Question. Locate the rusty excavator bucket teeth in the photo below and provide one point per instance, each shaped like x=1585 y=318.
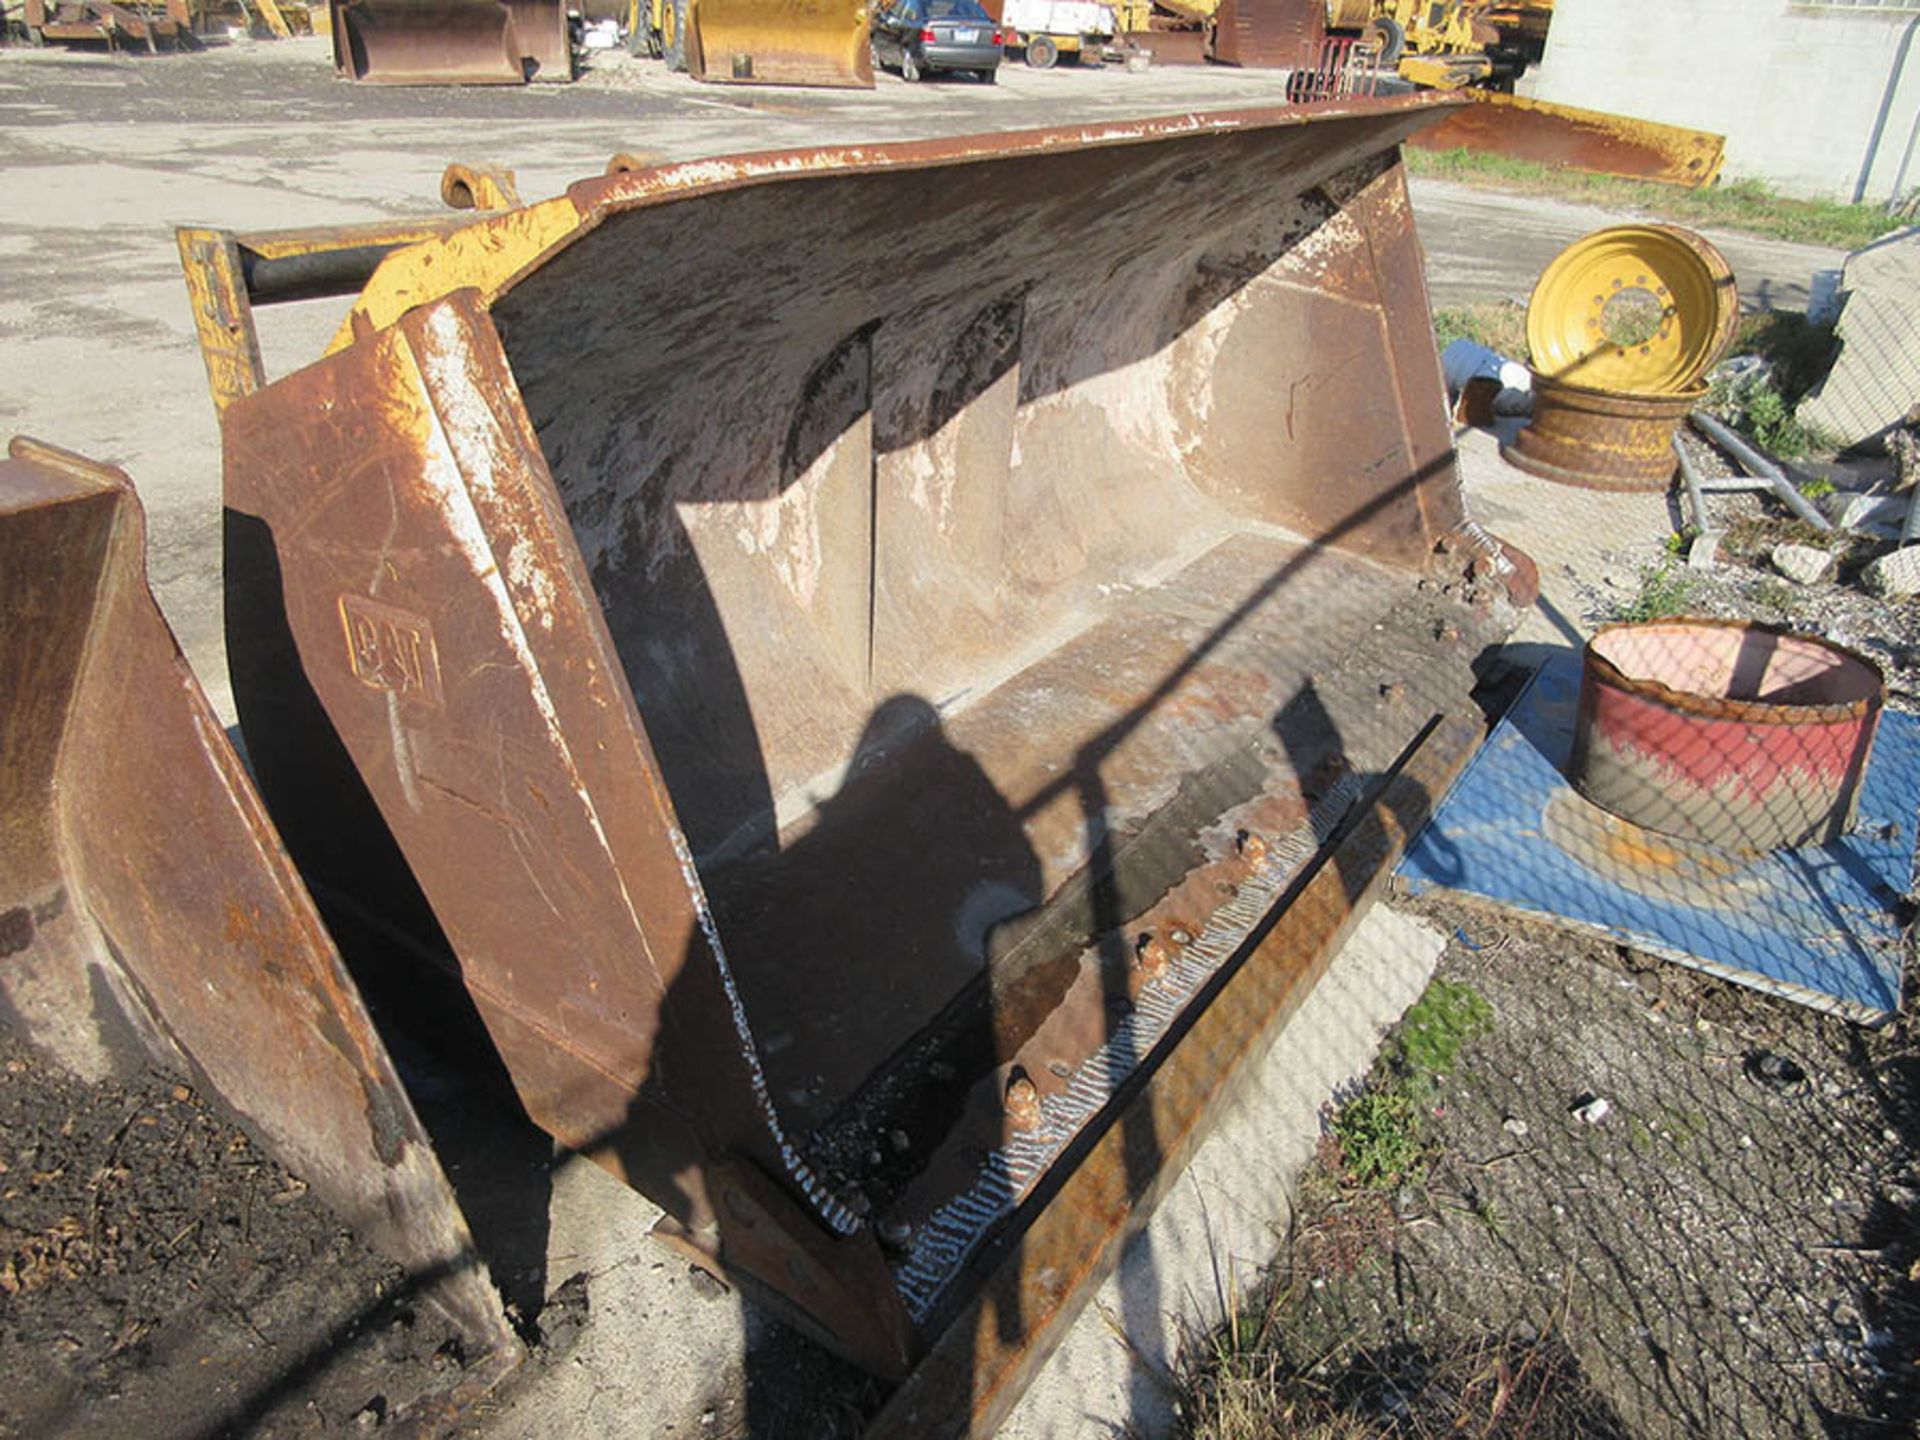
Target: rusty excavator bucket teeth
x=147 y=910
x=451 y=42
x=863 y=657
x=781 y=42
x=1568 y=137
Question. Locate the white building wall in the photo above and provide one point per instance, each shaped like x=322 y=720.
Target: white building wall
x=1796 y=88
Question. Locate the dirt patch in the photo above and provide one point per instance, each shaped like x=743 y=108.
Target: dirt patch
x=1727 y=1246
x=159 y=1275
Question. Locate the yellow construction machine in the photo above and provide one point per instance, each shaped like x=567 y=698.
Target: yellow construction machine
x=1439 y=44
x=1481 y=47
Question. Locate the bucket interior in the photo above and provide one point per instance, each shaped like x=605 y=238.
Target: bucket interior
x=974 y=541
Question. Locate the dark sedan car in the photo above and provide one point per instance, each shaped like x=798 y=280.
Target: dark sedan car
x=921 y=36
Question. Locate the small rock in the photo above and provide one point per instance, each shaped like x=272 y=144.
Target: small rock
x=1882 y=513
x=1894 y=576
x=1593 y=1110
x=1803 y=564
x=897 y=1233
x=1515 y=1127
x=371 y=1415
x=899 y=1141
x=1777 y=1072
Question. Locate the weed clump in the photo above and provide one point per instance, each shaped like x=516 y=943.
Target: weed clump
x=1382 y=1131
x=1666 y=590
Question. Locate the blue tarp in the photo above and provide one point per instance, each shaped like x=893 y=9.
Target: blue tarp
x=1821 y=925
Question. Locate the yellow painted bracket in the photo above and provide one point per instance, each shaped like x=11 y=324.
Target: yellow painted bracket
x=228 y=273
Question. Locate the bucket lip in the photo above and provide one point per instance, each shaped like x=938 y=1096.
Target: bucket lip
x=494 y=253
x=633 y=188
x=1709 y=707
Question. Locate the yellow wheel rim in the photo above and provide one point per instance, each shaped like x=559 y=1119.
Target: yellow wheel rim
x=1640 y=308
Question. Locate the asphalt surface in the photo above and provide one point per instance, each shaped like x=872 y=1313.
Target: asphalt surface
x=104 y=155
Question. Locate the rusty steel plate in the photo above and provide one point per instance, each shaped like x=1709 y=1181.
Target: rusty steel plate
x=1268 y=34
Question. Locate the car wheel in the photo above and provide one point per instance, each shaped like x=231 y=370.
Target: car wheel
x=1042 y=52
x=992 y=77
x=909 y=67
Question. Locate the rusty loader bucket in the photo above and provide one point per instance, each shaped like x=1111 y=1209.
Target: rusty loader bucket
x=147 y=909
x=450 y=42
x=887 y=671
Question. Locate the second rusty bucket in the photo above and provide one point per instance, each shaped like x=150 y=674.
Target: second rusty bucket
x=1731 y=733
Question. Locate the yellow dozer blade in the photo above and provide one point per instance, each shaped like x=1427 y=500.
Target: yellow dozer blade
x=781 y=42
x=1590 y=140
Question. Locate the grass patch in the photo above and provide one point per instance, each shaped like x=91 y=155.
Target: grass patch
x=1382 y=1131
x=1666 y=589
x=1477 y=1385
x=1799 y=352
x=1753 y=405
x=1313 y=1354
x=1500 y=325
x=1745 y=205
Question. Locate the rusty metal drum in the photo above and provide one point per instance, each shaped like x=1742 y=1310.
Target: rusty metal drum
x=1738 y=735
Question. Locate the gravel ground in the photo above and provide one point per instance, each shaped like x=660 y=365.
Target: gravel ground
x=1734 y=1248
x=1725 y=1253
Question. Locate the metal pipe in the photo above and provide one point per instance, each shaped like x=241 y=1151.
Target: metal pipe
x=313 y=275
x=1760 y=467
x=1894 y=74
x=1690 y=477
